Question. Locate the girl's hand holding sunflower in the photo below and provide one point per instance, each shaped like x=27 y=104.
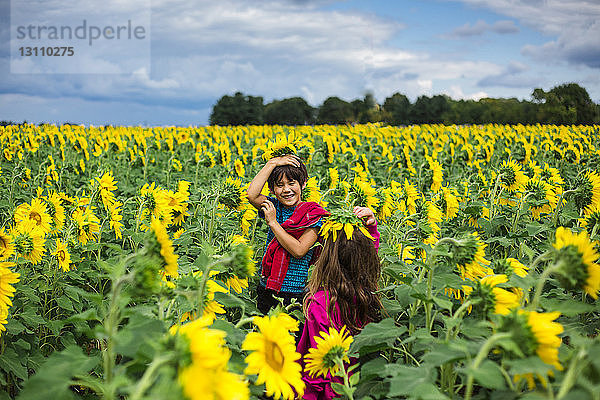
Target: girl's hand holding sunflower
x=365 y=214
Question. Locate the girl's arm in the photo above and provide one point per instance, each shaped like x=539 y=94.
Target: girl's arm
x=254 y=196
x=368 y=216
x=296 y=247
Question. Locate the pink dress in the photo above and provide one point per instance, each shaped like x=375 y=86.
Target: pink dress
x=317 y=322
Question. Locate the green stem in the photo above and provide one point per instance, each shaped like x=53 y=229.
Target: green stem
x=558 y=205
x=571 y=375
x=481 y=355
x=148 y=376
x=540 y=285
x=348 y=389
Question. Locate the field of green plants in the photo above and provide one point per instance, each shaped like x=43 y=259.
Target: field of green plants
x=128 y=261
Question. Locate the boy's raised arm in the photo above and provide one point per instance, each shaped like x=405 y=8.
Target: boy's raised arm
x=254 y=196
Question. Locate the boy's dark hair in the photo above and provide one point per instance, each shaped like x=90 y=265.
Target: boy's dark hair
x=297 y=173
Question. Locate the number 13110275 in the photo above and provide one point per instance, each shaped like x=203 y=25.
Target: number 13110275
x=49 y=51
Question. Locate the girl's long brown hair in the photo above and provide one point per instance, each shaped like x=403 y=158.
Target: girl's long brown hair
x=348 y=270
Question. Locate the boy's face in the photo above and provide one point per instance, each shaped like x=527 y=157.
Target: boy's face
x=288 y=191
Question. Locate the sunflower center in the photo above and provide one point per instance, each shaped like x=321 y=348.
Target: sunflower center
x=61 y=255
x=274 y=355
x=36 y=217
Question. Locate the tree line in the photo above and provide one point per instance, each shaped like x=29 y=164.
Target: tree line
x=565 y=104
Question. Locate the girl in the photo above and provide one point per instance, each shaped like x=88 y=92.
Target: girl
x=341 y=292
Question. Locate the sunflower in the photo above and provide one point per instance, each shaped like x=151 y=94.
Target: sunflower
x=88 y=224
x=334 y=178
x=509 y=266
x=535 y=334
x=405 y=253
x=238 y=166
x=281 y=147
x=62 y=255
x=241 y=258
x=490 y=298
x=56 y=211
x=469 y=255
x=235 y=284
x=7 y=279
x=35 y=212
x=231 y=193
x=115 y=211
x=362 y=194
x=342 y=220
x=512 y=177
x=107 y=185
x=587 y=195
x=477 y=212
x=332 y=349
x=248 y=216
x=155 y=203
x=435 y=174
x=428 y=216
x=311 y=191
x=449 y=203
x=7 y=247
x=386 y=206
x=28 y=239
x=273 y=358
x=410 y=195
x=543 y=197
x=206 y=375
x=592 y=219
x=165 y=248
x=552 y=175
x=576 y=259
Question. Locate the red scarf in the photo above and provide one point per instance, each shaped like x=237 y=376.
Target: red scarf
x=276 y=260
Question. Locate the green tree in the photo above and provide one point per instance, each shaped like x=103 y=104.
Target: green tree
x=335 y=111
x=568 y=103
x=292 y=111
x=238 y=109
x=397 y=109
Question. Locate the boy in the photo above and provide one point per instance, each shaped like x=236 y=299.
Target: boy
x=293 y=230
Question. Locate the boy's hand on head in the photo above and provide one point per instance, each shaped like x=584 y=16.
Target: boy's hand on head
x=365 y=214
x=269 y=210
x=290 y=159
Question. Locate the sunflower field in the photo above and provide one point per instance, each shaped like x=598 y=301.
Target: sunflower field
x=128 y=262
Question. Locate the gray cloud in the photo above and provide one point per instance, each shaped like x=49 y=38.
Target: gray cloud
x=480 y=27
x=575 y=23
x=512 y=76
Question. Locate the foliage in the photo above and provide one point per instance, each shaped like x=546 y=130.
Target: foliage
x=159 y=295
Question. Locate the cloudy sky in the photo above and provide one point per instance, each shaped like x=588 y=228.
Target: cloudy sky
x=195 y=51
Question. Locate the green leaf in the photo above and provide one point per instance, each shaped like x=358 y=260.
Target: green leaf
x=14 y=327
x=567 y=307
x=139 y=335
x=534 y=228
x=11 y=362
x=488 y=375
x=31 y=318
x=377 y=336
x=54 y=378
x=532 y=365
x=406 y=379
x=64 y=303
x=441 y=354
x=443 y=303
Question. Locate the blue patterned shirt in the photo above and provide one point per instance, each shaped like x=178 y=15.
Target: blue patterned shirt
x=297 y=273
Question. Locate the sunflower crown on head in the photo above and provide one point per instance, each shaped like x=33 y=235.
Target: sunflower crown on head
x=343 y=219
x=282 y=146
